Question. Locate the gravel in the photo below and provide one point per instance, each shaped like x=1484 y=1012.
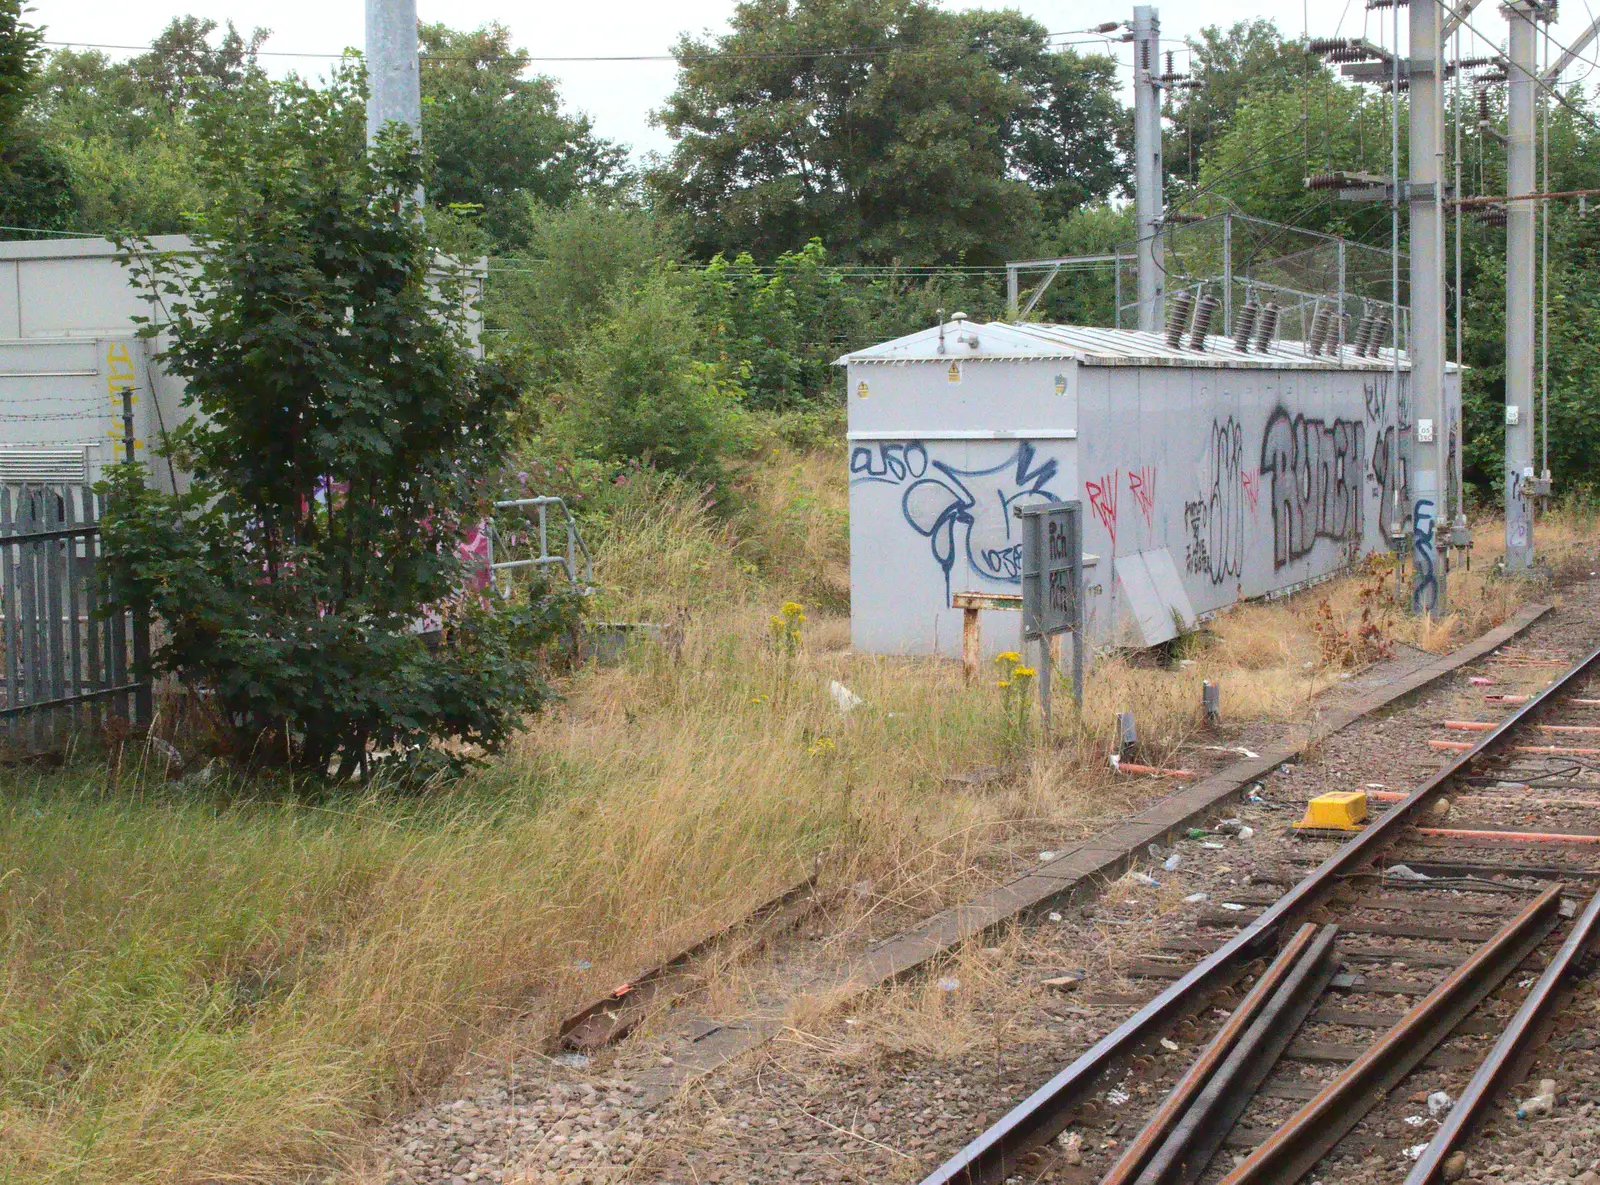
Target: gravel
x=887 y=1088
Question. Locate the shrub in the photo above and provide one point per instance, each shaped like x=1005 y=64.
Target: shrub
x=643 y=395
x=344 y=443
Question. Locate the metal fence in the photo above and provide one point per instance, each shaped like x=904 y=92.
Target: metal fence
x=520 y=524
x=60 y=656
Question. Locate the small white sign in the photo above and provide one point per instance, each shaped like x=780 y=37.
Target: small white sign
x=1511 y=415
x=1424 y=431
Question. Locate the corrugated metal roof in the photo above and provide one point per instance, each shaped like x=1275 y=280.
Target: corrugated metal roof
x=1001 y=341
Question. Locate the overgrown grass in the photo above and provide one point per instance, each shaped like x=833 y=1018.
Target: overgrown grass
x=230 y=983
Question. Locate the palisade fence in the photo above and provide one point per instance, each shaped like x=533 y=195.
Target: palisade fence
x=63 y=662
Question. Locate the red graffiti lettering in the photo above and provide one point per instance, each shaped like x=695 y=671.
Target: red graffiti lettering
x=1252 y=489
x=1103 y=500
x=1142 y=485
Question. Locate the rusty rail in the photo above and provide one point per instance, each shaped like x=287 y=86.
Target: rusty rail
x=1496 y=1069
x=998 y=1152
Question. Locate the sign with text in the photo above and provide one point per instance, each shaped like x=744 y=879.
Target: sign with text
x=1052 y=568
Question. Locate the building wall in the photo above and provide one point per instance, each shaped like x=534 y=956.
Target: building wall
x=931 y=497
x=1251 y=481
x=73 y=295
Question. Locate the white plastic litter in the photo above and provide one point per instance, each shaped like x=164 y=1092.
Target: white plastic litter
x=1169 y=1045
x=1046 y=857
x=1172 y=862
x=1197 y=898
x=844 y=699
x=1404 y=872
x=1540 y=1104
x=1415 y=1151
x=1439 y=1104
x=1416 y=1120
x=1116 y=1096
x=1144 y=878
x=1234 y=906
x=1212 y=845
x=1055 y=917
x=948 y=984
x=1246 y=832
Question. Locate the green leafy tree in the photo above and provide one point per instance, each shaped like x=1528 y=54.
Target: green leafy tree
x=1069 y=138
x=644 y=394
x=35 y=189
x=876 y=125
x=1230 y=65
x=125 y=129
x=496 y=139
x=344 y=442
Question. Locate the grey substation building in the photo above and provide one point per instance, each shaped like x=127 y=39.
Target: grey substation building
x=71 y=362
x=1211 y=470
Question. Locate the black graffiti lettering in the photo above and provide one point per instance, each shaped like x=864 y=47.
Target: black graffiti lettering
x=1317 y=469
x=1214 y=523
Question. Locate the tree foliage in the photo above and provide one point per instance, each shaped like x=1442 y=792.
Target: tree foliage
x=888 y=127
x=495 y=139
x=344 y=442
x=34 y=181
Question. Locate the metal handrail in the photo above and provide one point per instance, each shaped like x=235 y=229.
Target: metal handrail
x=567 y=562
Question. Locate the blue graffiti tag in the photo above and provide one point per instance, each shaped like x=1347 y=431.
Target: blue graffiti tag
x=939 y=505
x=1425 y=582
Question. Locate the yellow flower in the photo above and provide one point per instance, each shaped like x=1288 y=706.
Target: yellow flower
x=791 y=609
x=1010 y=656
x=820 y=746
x=1003 y=684
x=1023 y=672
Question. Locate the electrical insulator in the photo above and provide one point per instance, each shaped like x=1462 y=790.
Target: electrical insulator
x=1246 y=325
x=1204 y=311
x=1319 y=330
x=1363 y=334
x=1178 y=319
x=1267 y=326
x=1380 y=333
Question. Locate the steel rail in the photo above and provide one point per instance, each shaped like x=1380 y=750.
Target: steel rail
x=998 y=1152
x=1316 y=1129
x=1194 y=1080
x=1497 y=1067
x=1189 y=1149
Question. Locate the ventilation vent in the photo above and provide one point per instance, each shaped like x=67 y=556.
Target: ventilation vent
x=44 y=466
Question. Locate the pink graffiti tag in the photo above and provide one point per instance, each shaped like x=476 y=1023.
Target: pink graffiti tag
x=1252 y=489
x=1142 y=485
x=1103 y=500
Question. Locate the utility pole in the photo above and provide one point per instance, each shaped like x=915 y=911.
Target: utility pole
x=1149 y=200
x=1431 y=455
x=1520 y=218
x=394 y=87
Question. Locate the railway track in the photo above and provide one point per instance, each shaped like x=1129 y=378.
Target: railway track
x=1367 y=1022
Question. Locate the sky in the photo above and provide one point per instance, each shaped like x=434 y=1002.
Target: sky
x=619 y=95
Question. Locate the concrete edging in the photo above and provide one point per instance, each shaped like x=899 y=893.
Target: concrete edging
x=1108 y=855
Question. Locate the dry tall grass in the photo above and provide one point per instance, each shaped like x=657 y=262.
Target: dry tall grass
x=229 y=984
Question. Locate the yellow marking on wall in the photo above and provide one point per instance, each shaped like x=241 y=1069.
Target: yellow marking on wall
x=119 y=369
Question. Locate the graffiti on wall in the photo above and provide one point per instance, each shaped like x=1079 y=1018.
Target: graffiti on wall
x=1425 y=580
x=961 y=512
x=1214 y=522
x=1387 y=469
x=1316 y=469
x=1142 y=485
x=1102 y=496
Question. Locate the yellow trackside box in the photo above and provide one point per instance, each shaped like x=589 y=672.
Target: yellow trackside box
x=1343 y=810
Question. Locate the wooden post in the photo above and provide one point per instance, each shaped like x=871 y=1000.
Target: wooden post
x=971 y=604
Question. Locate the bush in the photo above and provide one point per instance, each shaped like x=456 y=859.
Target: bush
x=642 y=394
x=345 y=442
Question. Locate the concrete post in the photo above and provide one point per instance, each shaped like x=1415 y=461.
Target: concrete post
x=1148 y=177
x=1429 y=412
x=394 y=86
x=1520 y=225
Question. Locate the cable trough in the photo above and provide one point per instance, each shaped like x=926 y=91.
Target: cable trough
x=1477 y=927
